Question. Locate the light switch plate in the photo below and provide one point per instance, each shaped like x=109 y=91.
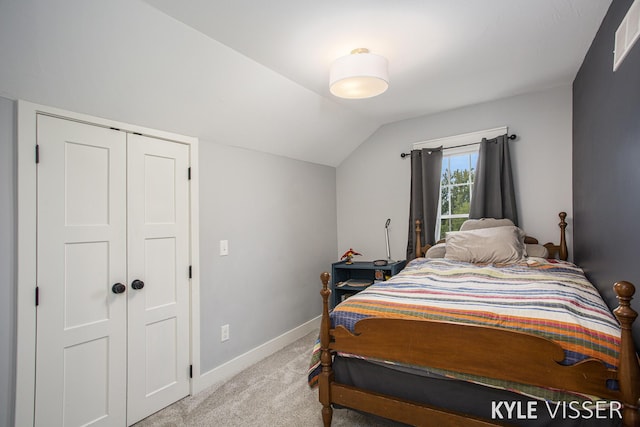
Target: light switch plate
x=224 y=247
x=224 y=333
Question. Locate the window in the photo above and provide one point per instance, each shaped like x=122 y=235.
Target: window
x=456 y=186
x=459 y=161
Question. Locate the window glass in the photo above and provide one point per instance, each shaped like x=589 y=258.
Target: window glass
x=456 y=186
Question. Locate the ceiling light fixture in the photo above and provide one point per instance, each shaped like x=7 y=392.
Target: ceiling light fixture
x=359 y=75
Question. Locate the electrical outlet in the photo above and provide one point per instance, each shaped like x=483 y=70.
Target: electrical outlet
x=224 y=333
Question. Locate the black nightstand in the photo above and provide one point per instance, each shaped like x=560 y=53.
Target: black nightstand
x=360 y=271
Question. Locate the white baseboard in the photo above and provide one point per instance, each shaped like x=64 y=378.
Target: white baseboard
x=218 y=375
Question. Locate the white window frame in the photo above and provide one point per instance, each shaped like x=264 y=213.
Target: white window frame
x=468 y=150
x=456 y=145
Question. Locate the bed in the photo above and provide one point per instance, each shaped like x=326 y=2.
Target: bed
x=452 y=342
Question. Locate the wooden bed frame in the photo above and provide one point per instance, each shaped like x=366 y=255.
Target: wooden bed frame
x=489 y=352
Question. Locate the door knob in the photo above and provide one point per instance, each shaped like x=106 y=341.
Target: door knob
x=118 y=288
x=137 y=284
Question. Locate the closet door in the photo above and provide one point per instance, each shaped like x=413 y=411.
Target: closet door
x=81 y=256
x=158 y=220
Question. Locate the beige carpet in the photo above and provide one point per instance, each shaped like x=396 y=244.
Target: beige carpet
x=274 y=392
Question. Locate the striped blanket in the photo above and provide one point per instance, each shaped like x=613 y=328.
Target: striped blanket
x=549 y=298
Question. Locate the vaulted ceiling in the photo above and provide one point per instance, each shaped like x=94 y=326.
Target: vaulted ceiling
x=254 y=73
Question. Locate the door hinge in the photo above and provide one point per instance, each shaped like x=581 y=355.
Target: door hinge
x=190 y=272
x=189 y=174
x=37 y=296
x=190 y=371
x=37 y=154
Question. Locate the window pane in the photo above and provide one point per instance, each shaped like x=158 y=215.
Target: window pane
x=445 y=172
x=459 y=162
x=445 y=163
x=455 y=190
x=460 y=199
x=444 y=201
x=444 y=180
x=445 y=225
x=456 y=223
x=474 y=166
x=459 y=169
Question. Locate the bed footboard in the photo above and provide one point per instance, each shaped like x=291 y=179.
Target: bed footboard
x=326 y=375
x=629 y=365
x=488 y=352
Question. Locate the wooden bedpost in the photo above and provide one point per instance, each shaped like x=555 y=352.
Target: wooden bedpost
x=420 y=251
x=563 y=251
x=326 y=375
x=629 y=368
x=560 y=251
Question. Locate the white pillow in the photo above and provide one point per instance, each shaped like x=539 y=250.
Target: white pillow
x=498 y=245
x=436 y=251
x=535 y=250
x=475 y=224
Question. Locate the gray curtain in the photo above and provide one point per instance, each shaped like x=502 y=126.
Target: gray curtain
x=426 y=166
x=493 y=191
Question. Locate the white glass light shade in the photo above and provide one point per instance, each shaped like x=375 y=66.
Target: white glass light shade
x=359 y=75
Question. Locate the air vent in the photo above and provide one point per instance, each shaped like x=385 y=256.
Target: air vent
x=627 y=34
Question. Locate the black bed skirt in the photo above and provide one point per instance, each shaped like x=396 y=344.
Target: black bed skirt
x=465 y=397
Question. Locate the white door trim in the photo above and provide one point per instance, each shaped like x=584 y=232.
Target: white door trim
x=26 y=268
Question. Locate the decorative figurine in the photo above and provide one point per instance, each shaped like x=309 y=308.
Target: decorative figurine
x=349 y=255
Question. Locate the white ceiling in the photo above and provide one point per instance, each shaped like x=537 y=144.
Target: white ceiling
x=443 y=54
x=254 y=73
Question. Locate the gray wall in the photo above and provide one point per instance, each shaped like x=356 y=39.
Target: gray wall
x=127 y=61
x=606 y=152
x=373 y=182
x=7 y=261
x=279 y=216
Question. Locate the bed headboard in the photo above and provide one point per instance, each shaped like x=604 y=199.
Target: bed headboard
x=559 y=251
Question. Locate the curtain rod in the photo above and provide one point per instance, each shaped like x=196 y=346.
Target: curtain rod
x=511 y=137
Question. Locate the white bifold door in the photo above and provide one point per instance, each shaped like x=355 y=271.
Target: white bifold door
x=113 y=274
